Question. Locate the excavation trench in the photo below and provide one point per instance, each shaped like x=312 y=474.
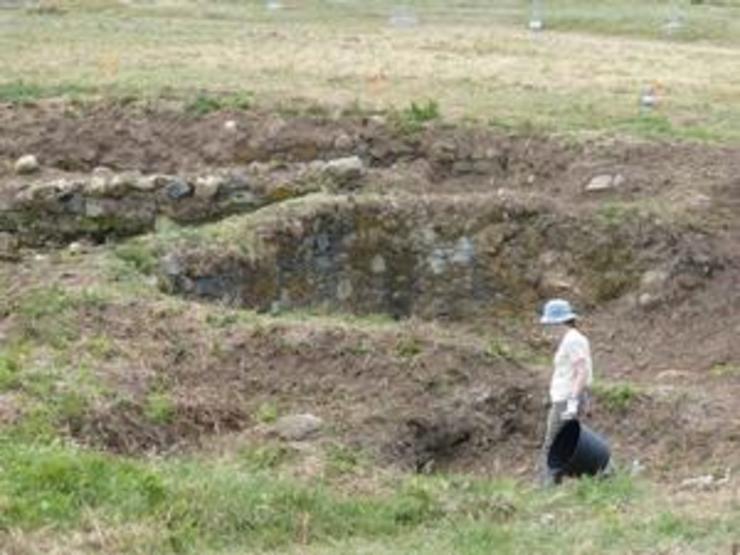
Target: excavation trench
x=353 y=216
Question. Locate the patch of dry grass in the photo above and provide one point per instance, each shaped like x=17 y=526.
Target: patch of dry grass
x=486 y=67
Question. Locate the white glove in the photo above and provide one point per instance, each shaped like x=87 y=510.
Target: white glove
x=571 y=410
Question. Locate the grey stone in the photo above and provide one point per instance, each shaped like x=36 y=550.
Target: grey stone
x=297 y=427
x=604 y=182
x=343 y=142
x=147 y=183
x=344 y=290
x=178 y=189
x=103 y=170
x=76 y=248
x=345 y=170
x=27 y=164
x=73 y=203
x=648 y=300
x=94 y=208
x=437 y=261
x=464 y=252
x=207 y=187
x=99 y=185
x=378 y=266
x=101 y=181
x=699 y=200
x=171 y=265
x=654 y=280
x=122 y=183
x=106 y=184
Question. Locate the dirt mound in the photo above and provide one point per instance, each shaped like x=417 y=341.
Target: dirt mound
x=156 y=139
x=411 y=401
x=480 y=430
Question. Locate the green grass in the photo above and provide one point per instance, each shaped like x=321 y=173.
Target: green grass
x=725 y=369
x=138 y=255
x=11 y=361
x=499 y=348
x=52 y=485
x=159 y=408
x=412 y=118
x=409 y=347
x=19 y=92
x=227 y=506
x=204 y=103
x=45 y=314
x=48 y=360
x=343 y=460
x=194 y=505
x=616 y=397
x=267 y=413
x=265 y=456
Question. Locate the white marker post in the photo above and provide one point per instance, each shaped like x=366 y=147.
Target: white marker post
x=676 y=18
x=536 y=16
x=403 y=17
x=273 y=5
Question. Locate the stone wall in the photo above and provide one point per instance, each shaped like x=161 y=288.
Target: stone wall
x=106 y=205
x=436 y=257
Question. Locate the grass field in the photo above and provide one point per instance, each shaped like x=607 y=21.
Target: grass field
x=476 y=59
x=58 y=499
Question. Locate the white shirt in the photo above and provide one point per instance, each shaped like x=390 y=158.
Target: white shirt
x=573 y=348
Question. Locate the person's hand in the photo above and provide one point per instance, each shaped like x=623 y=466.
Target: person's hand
x=571 y=410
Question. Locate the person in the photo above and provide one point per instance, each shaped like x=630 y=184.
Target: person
x=571 y=378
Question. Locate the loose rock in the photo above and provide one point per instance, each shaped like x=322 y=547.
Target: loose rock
x=343 y=142
x=604 y=182
x=297 y=427
x=77 y=248
x=654 y=280
x=648 y=301
x=27 y=164
x=345 y=170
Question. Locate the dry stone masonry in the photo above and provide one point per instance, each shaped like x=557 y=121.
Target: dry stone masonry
x=108 y=204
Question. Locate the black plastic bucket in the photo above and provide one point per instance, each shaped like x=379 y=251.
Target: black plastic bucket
x=577 y=450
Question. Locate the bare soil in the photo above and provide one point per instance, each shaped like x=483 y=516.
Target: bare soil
x=153 y=138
